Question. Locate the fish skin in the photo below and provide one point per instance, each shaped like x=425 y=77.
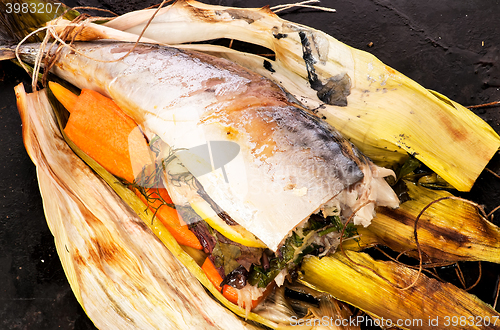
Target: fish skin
x=290 y=162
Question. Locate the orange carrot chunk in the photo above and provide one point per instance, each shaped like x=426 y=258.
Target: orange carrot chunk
x=169 y=216
x=212 y=274
x=110 y=137
x=99 y=127
x=231 y=294
x=67 y=98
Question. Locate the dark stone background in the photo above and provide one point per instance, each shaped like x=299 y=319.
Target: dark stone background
x=450 y=46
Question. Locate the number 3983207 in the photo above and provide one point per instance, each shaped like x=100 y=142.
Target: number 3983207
x=33 y=8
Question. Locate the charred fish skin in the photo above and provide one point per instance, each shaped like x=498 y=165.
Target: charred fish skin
x=290 y=163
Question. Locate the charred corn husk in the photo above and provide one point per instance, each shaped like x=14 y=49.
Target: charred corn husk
x=415 y=308
x=384 y=113
x=450 y=229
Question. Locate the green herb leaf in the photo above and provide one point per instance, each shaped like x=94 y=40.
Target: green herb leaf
x=225 y=255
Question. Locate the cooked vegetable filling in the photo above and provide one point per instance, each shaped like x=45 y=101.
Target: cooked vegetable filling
x=201 y=224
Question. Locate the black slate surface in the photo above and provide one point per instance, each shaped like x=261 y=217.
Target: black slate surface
x=450 y=46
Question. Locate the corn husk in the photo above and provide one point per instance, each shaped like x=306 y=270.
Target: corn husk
x=120 y=272
x=449 y=230
x=424 y=302
x=387 y=115
x=130 y=300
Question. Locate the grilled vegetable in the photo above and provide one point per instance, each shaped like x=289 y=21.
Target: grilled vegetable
x=111 y=137
x=114 y=140
x=228 y=291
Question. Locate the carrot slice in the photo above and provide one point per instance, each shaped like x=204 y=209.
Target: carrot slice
x=228 y=291
x=212 y=274
x=99 y=127
x=67 y=99
x=169 y=216
x=110 y=137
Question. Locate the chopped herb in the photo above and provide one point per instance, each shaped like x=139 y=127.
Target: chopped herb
x=408 y=167
x=261 y=277
x=150 y=179
x=327 y=231
x=313 y=249
x=296 y=240
x=338 y=226
x=314 y=223
x=286 y=255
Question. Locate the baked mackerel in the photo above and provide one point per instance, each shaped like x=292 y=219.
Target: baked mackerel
x=289 y=164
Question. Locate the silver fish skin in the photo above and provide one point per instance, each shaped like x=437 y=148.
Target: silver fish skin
x=289 y=162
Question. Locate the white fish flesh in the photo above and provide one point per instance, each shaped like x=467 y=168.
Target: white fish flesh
x=290 y=163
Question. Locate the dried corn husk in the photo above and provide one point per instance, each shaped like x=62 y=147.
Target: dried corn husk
x=449 y=230
x=427 y=300
x=121 y=274
x=385 y=114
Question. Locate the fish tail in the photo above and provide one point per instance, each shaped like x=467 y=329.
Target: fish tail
x=7 y=53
